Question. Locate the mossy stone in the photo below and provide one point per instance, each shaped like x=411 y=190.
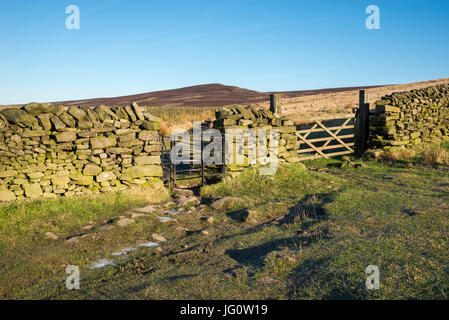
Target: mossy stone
x=77 y=113
x=106 y=176
x=91 y=169
x=142 y=171
x=33 y=190
x=66 y=136
x=103 y=142
x=7 y=196
x=81 y=179
x=35 y=108
x=151 y=125
x=60 y=181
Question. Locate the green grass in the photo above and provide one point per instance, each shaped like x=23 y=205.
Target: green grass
x=27 y=257
x=312 y=236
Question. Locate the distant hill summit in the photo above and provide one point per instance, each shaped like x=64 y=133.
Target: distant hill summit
x=206 y=95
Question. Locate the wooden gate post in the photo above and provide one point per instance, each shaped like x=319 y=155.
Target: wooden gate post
x=362 y=130
x=173 y=166
x=202 y=163
x=275 y=103
x=223 y=151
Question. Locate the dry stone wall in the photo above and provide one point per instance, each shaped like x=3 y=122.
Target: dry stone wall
x=51 y=151
x=409 y=118
x=245 y=118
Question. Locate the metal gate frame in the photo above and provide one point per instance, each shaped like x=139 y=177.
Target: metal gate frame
x=174 y=172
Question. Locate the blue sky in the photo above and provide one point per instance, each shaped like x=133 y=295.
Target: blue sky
x=135 y=46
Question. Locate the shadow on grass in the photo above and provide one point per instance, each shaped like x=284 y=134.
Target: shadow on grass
x=145 y=283
x=312 y=280
x=309 y=211
x=255 y=255
x=310 y=206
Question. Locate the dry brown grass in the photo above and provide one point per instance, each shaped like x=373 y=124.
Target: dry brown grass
x=306 y=108
x=399 y=154
x=174 y=113
x=181 y=117
x=434 y=153
x=165 y=129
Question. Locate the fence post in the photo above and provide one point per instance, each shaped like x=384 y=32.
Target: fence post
x=275 y=103
x=362 y=122
x=202 y=162
x=223 y=156
x=172 y=144
x=163 y=155
x=170 y=165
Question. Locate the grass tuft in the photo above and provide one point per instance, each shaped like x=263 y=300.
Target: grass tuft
x=431 y=154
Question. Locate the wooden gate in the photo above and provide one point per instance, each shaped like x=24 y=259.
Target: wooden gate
x=335 y=137
x=326 y=138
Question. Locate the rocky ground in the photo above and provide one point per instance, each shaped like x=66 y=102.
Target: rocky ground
x=185 y=203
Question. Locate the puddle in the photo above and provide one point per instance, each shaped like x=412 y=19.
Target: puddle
x=175 y=212
x=118 y=253
x=149 y=244
x=102 y=263
x=123 y=251
x=166 y=219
